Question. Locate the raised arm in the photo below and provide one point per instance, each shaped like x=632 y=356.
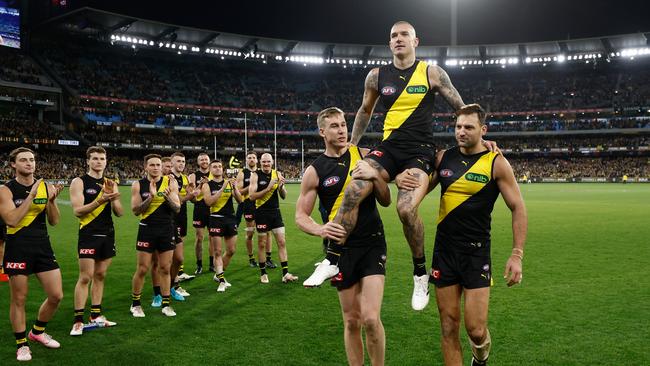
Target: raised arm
x=171 y=195
x=439 y=80
x=235 y=190
x=370 y=97
x=282 y=190
x=240 y=183
x=52 y=209
x=509 y=188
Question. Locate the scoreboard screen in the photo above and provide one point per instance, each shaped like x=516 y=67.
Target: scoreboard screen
x=10 y=23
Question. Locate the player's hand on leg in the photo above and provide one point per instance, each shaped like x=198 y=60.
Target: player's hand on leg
x=333 y=231
x=364 y=171
x=407 y=181
x=513 y=272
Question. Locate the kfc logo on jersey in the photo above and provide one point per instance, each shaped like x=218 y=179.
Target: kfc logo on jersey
x=435 y=273
x=87 y=251
x=388 y=90
x=376 y=153
x=143 y=244
x=331 y=181
x=18 y=202
x=16 y=265
x=91 y=191
x=446 y=173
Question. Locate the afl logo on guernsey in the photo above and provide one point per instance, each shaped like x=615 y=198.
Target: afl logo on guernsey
x=18 y=202
x=388 y=90
x=91 y=191
x=331 y=181
x=446 y=173
x=145 y=195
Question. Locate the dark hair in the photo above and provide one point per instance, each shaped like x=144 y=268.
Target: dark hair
x=473 y=109
x=166 y=159
x=95 y=149
x=177 y=153
x=216 y=161
x=14 y=153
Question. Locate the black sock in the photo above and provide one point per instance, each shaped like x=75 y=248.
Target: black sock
x=175 y=284
x=419 y=266
x=250 y=257
x=135 y=299
x=211 y=261
x=268 y=256
x=199 y=263
x=79 y=315
x=262 y=268
x=333 y=252
x=165 y=301
x=39 y=327
x=156 y=290
x=285 y=267
x=21 y=339
x=221 y=277
x=95 y=311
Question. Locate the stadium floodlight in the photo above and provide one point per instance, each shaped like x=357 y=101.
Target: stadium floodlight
x=451 y=62
x=561 y=58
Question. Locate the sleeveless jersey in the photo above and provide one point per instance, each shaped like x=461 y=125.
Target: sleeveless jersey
x=198 y=175
x=333 y=178
x=468 y=193
x=99 y=220
x=270 y=200
x=408 y=99
x=182 y=181
x=33 y=224
x=223 y=206
x=158 y=211
x=247 y=181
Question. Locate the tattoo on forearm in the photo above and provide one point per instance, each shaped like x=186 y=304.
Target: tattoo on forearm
x=449 y=92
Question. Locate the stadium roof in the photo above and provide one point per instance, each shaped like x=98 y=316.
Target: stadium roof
x=149 y=33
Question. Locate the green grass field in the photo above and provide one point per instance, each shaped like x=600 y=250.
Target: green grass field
x=584 y=300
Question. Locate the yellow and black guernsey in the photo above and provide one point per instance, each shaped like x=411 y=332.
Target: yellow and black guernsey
x=198 y=175
x=223 y=207
x=333 y=178
x=33 y=224
x=468 y=193
x=270 y=201
x=99 y=220
x=182 y=181
x=247 y=181
x=158 y=211
x=408 y=99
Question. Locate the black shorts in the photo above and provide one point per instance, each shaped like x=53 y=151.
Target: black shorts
x=26 y=255
x=96 y=246
x=268 y=220
x=461 y=264
x=396 y=158
x=223 y=226
x=155 y=237
x=200 y=216
x=357 y=262
x=181 y=225
x=248 y=208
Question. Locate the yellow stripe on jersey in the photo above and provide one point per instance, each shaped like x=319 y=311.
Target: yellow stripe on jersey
x=355 y=156
x=408 y=100
x=476 y=177
x=158 y=198
x=92 y=215
x=183 y=189
x=196 y=182
x=35 y=208
x=259 y=202
x=223 y=199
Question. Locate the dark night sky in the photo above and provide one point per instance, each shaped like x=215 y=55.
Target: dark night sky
x=368 y=22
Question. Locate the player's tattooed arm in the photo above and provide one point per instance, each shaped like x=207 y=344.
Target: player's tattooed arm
x=138 y=206
x=370 y=97
x=439 y=79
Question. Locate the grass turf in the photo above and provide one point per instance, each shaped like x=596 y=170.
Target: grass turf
x=584 y=299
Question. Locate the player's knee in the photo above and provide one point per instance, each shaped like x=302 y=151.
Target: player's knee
x=230 y=251
x=449 y=325
x=371 y=322
x=18 y=299
x=476 y=333
x=99 y=276
x=142 y=270
x=84 y=278
x=406 y=212
x=352 y=322
x=55 y=297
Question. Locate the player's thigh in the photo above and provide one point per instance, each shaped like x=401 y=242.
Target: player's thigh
x=372 y=294
x=477 y=301
x=448 y=300
x=409 y=199
x=51 y=282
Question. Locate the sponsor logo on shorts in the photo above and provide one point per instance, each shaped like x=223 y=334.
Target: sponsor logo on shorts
x=435 y=273
x=197 y=222
x=87 y=251
x=216 y=230
x=262 y=226
x=388 y=90
x=446 y=173
x=376 y=153
x=16 y=265
x=486 y=267
x=331 y=181
x=91 y=191
x=143 y=244
x=383 y=257
x=248 y=216
x=475 y=177
x=338 y=277
x=417 y=89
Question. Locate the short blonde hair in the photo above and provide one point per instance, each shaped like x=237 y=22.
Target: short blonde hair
x=327 y=113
